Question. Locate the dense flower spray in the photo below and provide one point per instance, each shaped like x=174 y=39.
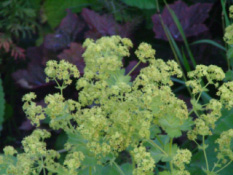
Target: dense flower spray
x=114 y=115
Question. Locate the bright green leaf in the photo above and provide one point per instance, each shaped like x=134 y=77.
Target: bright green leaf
x=56 y=9
x=119 y=77
x=142 y=4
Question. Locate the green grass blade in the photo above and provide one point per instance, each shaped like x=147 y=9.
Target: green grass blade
x=178 y=80
x=2 y=104
x=208 y=41
x=227 y=21
x=182 y=57
x=179 y=27
x=186 y=63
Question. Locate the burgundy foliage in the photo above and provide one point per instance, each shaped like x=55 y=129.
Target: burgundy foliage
x=63 y=44
x=105 y=25
x=67 y=32
x=33 y=76
x=191 y=18
x=74 y=56
x=135 y=73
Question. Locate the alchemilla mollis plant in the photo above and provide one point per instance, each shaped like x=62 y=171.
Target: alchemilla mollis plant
x=114 y=116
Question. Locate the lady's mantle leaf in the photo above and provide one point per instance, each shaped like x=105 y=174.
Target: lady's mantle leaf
x=157 y=154
x=191 y=19
x=174 y=127
x=119 y=77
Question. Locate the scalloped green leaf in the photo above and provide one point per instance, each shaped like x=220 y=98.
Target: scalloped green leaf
x=173 y=126
x=119 y=77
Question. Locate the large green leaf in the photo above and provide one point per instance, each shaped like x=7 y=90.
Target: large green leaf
x=56 y=9
x=2 y=105
x=165 y=154
x=142 y=4
x=174 y=127
x=119 y=77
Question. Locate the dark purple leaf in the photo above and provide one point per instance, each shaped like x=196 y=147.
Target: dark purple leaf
x=56 y=41
x=191 y=19
x=26 y=125
x=105 y=25
x=30 y=78
x=71 y=25
x=67 y=32
x=74 y=55
x=135 y=73
x=33 y=76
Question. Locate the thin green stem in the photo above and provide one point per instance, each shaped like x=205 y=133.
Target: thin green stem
x=224 y=166
x=133 y=162
x=160 y=141
x=170 y=151
x=196 y=143
x=191 y=111
x=42 y=161
x=157 y=146
x=90 y=170
x=215 y=165
x=206 y=160
x=62 y=151
x=118 y=168
x=59 y=86
x=134 y=68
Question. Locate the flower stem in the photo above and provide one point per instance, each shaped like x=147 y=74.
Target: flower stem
x=90 y=170
x=170 y=151
x=134 y=68
x=206 y=160
x=118 y=168
x=157 y=146
x=224 y=166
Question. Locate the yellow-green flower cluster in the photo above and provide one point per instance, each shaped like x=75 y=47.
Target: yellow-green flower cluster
x=32 y=144
x=60 y=111
x=226 y=94
x=145 y=163
x=182 y=157
x=114 y=115
x=73 y=161
x=228 y=36
x=231 y=11
x=212 y=74
x=9 y=150
x=104 y=56
x=34 y=112
x=225 y=146
x=158 y=73
x=62 y=71
x=35 y=156
x=205 y=123
x=145 y=52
